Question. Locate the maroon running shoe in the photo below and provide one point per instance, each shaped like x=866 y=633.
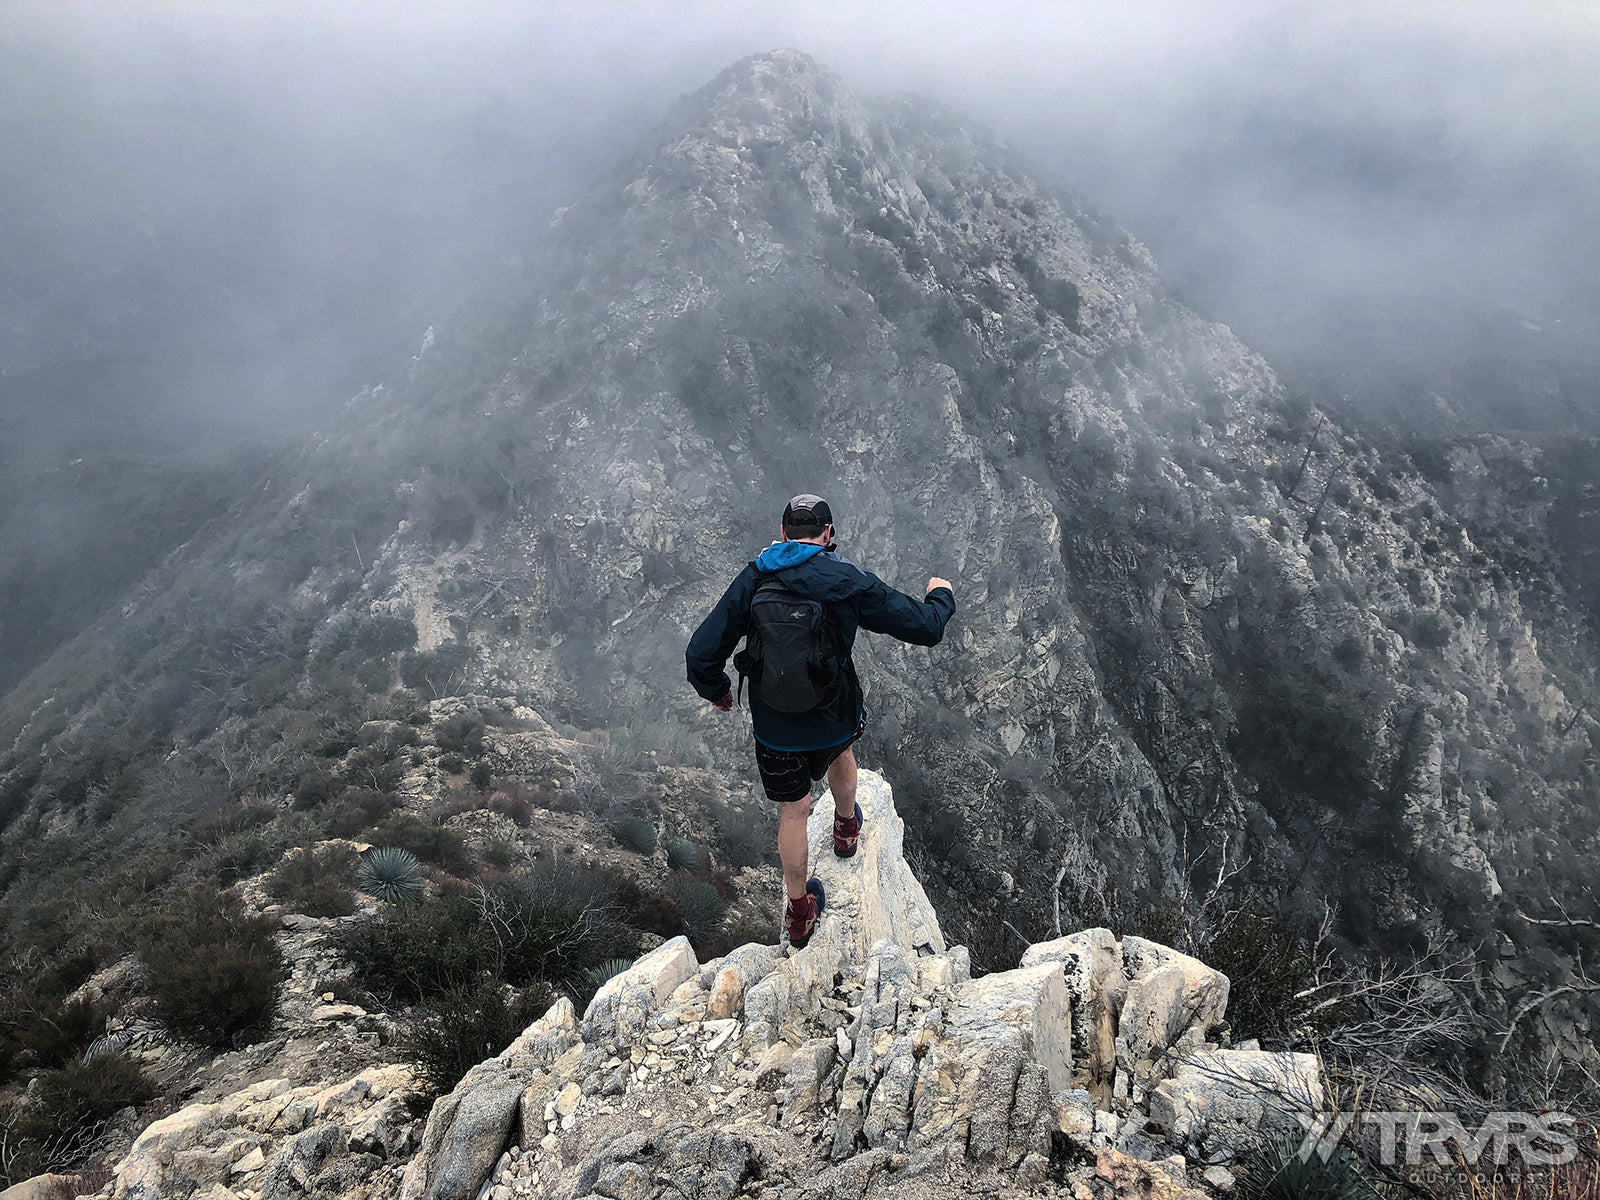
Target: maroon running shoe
x=800 y=919
x=845 y=832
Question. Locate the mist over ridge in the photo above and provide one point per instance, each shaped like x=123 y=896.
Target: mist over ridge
x=245 y=215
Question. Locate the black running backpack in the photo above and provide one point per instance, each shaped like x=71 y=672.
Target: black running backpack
x=791 y=650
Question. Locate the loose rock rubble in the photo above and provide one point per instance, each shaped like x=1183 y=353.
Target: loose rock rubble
x=869 y=1061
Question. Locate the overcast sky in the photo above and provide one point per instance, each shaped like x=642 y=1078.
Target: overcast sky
x=1283 y=160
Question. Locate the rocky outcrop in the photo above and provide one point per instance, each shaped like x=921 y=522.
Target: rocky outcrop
x=275 y=1141
x=868 y=1059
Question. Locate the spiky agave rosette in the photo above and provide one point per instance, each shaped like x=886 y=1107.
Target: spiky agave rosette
x=391 y=875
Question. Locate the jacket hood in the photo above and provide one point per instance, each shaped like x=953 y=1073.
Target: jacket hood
x=786 y=554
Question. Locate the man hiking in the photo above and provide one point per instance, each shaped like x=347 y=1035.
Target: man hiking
x=798 y=606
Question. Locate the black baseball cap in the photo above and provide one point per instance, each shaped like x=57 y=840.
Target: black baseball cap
x=806 y=510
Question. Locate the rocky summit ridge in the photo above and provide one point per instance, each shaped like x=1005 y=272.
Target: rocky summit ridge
x=869 y=1063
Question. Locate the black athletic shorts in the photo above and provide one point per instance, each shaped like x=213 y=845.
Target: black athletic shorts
x=787 y=775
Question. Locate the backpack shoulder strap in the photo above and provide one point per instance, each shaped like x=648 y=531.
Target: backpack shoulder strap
x=743 y=662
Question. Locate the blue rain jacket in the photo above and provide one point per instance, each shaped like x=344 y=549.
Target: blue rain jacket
x=856 y=599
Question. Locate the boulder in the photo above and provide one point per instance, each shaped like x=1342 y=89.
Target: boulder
x=875 y=895
x=551 y=1036
x=42 y=1187
x=727 y=995
x=1222 y=1102
x=1091 y=961
x=466 y=1133
x=295 y=1165
x=1031 y=1002
x=141 y=1175
x=1169 y=995
x=625 y=1002
x=988 y=1082
x=808 y=1067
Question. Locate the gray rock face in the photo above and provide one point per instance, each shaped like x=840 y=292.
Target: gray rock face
x=1151 y=543
x=466 y=1134
x=1029 y=1003
x=1170 y=996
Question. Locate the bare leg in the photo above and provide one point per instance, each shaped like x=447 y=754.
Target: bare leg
x=793 y=847
x=842 y=781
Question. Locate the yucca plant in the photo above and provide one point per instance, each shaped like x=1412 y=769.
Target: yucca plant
x=390 y=874
x=597 y=977
x=1275 y=1170
x=683 y=855
x=636 y=834
x=589 y=982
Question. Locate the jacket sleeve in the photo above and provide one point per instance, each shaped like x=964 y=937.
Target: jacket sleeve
x=718 y=634
x=883 y=609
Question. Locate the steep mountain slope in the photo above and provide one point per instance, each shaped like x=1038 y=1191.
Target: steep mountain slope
x=1198 y=622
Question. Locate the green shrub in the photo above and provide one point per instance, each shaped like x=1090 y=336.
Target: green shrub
x=1307 y=730
x=90 y=1093
x=683 y=855
x=462 y=733
x=636 y=834
x=384 y=635
x=59 y=1125
x=413 y=952
x=501 y=853
x=746 y=840
x=452 y=764
x=358 y=810
x=461 y=1028
x=389 y=874
x=703 y=907
x=214 y=972
x=315 y=882
x=480 y=776
x=237 y=841
x=513 y=800
x=374 y=675
x=550 y=924
x=315 y=786
x=651 y=912
x=1431 y=630
x=40 y=1030
x=1267 y=970
x=431 y=843
x=374 y=767
x=751 y=928
x=1275 y=1171
x=437 y=673
x=547 y=925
